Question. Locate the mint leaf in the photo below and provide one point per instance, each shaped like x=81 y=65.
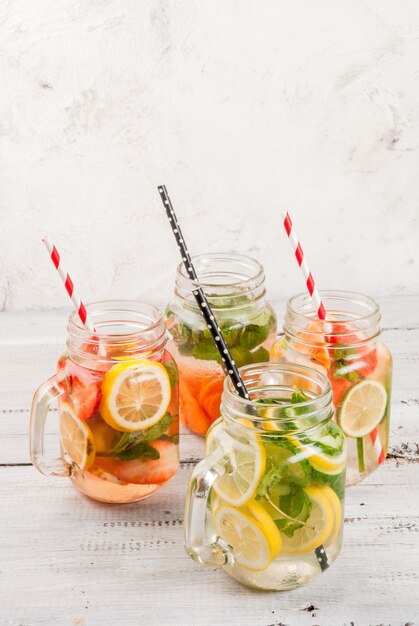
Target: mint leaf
x=130 y=440
x=172 y=372
x=158 y=429
x=254 y=335
x=261 y=355
x=297 y=505
x=299 y=396
x=206 y=350
x=232 y=332
x=335 y=481
x=142 y=449
x=269 y=480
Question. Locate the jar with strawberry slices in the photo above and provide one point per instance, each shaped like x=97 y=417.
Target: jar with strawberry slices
x=235 y=287
x=348 y=347
x=117 y=397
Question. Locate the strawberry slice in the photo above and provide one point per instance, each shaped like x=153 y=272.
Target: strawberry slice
x=85 y=391
x=86 y=397
x=149 y=472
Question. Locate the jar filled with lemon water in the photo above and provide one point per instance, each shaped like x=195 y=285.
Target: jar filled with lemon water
x=266 y=503
x=117 y=395
x=347 y=347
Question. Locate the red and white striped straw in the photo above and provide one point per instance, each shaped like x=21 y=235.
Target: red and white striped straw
x=72 y=292
x=321 y=311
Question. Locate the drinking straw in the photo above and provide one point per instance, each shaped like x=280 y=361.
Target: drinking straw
x=321 y=311
x=71 y=290
x=202 y=301
x=209 y=318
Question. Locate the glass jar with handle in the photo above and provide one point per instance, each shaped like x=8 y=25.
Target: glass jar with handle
x=117 y=397
x=267 y=501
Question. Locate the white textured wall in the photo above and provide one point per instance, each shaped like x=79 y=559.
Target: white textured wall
x=241 y=108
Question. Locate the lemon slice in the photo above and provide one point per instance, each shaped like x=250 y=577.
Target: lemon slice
x=319 y=460
x=317 y=527
x=269 y=526
x=362 y=408
x=76 y=438
x=327 y=464
x=136 y=395
x=247 y=537
x=247 y=461
x=337 y=513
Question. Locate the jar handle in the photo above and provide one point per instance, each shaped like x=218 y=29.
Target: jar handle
x=200 y=547
x=44 y=396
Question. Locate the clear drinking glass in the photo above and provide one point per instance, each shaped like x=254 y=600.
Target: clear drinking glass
x=267 y=501
x=235 y=287
x=348 y=348
x=117 y=393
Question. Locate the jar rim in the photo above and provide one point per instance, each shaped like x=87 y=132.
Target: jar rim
x=351 y=319
x=256 y=271
x=318 y=404
x=337 y=294
x=75 y=323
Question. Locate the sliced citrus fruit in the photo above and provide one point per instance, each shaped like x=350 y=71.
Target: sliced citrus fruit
x=277 y=351
x=269 y=526
x=337 y=513
x=136 y=395
x=76 y=438
x=319 y=460
x=246 y=458
x=313 y=343
x=210 y=398
x=317 y=527
x=327 y=464
x=362 y=408
x=382 y=370
x=247 y=537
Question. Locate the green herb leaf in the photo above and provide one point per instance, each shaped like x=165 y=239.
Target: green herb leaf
x=142 y=449
x=299 y=396
x=335 y=481
x=296 y=504
x=269 y=480
x=130 y=440
x=172 y=372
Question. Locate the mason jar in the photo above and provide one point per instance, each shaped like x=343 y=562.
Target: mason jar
x=348 y=347
x=117 y=398
x=235 y=287
x=266 y=503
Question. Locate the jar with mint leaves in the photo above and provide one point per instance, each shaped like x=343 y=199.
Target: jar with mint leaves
x=235 y=287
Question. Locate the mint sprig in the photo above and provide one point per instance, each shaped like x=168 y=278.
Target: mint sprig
x=129 y=446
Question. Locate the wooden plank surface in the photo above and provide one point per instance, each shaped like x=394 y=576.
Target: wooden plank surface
x=68 y=560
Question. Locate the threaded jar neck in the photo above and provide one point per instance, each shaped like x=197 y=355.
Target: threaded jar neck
x=351 y=319
x=229 y=280
x=122 y=328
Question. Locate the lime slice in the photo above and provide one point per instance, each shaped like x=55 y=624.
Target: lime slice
x=316 y=529
x=247 y=460
x=362 y=408
x=248 y=538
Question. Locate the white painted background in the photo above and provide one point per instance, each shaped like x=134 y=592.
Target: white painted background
x=240 y=108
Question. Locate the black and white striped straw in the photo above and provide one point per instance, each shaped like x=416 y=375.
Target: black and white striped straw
x=201 y=299
x=204 y=306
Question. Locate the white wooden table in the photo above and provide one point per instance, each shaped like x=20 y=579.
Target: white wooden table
x=65 y=559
